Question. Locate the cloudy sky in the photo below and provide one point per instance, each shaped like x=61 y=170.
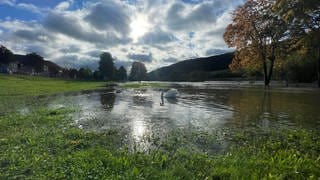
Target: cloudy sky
x=73 y=33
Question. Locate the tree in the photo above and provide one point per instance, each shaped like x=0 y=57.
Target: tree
x=106 y=66
x=97 y=75
x=6 y=56
x=256 y=28
x=122 y=74
x=85 y=73
x=138 y=72
x=36 y=61
x=73 y=73
x=303 y=21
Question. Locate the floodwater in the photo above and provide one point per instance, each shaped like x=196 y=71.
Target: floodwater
x=210 y=106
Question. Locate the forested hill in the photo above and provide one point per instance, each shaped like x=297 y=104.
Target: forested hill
x=37 y=63
x=199 y=69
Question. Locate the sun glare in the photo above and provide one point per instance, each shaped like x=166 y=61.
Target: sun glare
x=139 y=26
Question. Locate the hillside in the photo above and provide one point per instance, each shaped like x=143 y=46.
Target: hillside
x=199 y=69
x=53 y=67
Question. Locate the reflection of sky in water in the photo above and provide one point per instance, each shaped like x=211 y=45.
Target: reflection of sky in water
x=139 y=113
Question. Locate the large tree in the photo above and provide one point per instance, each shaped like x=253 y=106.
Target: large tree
x=256 y=32
x=106 y=66
x=138 y=72
x=122 y=74
x=6 y=56
x=303 y=22
x=85 y=73
x=36 y=61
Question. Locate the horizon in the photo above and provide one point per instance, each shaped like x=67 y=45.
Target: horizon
x=73 y=33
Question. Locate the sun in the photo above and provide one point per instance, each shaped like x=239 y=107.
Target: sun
x=139 y=26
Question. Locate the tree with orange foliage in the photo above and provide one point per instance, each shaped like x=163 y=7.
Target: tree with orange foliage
x=256 y=31
x=303 y=21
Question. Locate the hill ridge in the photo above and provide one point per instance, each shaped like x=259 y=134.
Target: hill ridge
x=198 y=69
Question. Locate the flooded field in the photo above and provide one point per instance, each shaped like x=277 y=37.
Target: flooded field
x=203 y=107
x=211 y=128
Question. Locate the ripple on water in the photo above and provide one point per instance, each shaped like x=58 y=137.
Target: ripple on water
x=138 y=111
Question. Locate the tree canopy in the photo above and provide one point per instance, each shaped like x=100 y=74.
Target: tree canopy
x=121 y=74
x=35 y=60
x=138 y=72
x=276 y=35
x=106 y=66
x=303 y=24
x=256 y=32
x=6 y=56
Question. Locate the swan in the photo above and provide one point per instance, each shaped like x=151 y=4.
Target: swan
x=171 y=93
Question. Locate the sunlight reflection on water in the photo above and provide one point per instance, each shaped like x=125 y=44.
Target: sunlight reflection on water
x=138 y=111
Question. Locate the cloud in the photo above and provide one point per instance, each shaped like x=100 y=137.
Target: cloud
x=197 y=16
x=8 y=2
x=141 y=57
x=157 y=36
x=29 y=7
x=73 y=27
x=212 y=52
x=170 y=60
x=42 y=51
x=109 y=15
x=71 y=49
x=64 y=5
x=77 y=61
x=125 y=63
x=33 y=35
x=74 y=33
x=94 y=53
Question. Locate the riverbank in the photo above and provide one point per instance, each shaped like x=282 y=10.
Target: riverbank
x=20 y=85
x=45 y=143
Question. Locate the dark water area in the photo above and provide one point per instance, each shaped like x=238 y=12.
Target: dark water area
x=204 y=107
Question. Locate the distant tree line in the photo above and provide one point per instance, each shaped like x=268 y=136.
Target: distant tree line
x=106 y=70
x=277 y=39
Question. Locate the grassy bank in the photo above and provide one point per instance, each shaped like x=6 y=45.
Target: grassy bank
x=43 y=144
x=18 y=85
x=19 y=90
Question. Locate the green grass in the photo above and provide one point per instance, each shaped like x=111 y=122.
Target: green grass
x=19 y=90
x=18 y=85
x=43 y=144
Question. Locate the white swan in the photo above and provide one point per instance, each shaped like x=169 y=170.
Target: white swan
x=171 y=93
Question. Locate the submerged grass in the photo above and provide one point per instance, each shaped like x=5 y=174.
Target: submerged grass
x=19 y=90
x=43 y=144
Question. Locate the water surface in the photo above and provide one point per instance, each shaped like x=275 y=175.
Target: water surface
x=224 y=107
x=209 y=106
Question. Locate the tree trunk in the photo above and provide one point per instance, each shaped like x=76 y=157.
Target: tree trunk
x=270 y=69
x=265 y=69
x=318 y=67
x=265 y=73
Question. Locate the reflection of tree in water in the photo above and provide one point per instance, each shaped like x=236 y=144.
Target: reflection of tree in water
x=140 y=99
x=256 y=106
x=214 y=98
x=249 y=106
x=107 y=100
